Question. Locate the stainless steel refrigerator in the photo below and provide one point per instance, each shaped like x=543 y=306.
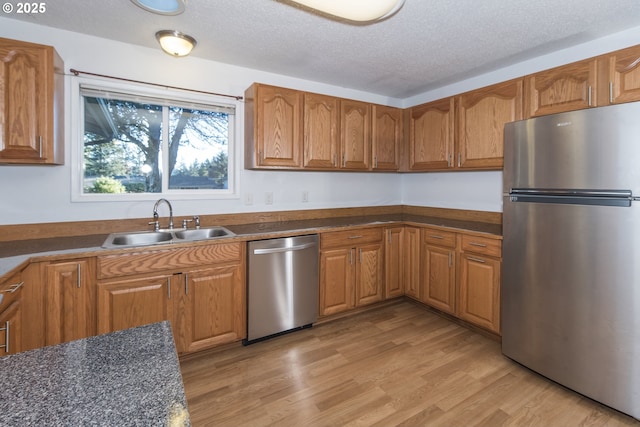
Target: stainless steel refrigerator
x=571 y=251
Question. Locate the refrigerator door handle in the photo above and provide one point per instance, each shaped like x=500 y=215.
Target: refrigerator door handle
x=621 y=198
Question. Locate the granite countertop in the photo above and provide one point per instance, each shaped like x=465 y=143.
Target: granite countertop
x=125 y=378
x=14 y=253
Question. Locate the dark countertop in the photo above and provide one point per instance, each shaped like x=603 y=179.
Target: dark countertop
x=14 y=253
x=125 y=378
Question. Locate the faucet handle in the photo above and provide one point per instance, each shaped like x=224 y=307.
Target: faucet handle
x=196 y=218
x=185 y=222
x=156 y=224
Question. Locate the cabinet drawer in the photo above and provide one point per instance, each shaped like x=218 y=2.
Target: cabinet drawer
x=10 y=291
x=164 y=260
x=482 y=245
x=350 y=237
x=438 y=237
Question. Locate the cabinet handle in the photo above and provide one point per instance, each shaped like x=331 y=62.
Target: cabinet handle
x=375 y=162
x=481 y=245
x=11 y=289
x=471 y=258
x=355 y=237
x=436 y=236
x=6 y=337
x=459 y=159
x=360 y=255
x=450 y=260
x=40 y=146
x=169 y=287
x=351 y=257
x=610 y=92
x=79 y=275
x=186 y=283
x=344 y=160
x=334 y=161
x=589 y=96
x=449 y=161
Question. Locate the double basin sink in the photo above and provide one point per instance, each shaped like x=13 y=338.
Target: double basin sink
x=146 y=238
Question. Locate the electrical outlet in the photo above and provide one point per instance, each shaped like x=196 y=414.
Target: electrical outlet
x=268 y=198
x=248 y=198
x=305 y=196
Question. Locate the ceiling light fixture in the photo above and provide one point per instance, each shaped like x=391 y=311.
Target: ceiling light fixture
x=162 y=7
x=355 y=10
x=175 y=43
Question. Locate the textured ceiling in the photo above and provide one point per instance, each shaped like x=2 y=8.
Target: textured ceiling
x=427 y=44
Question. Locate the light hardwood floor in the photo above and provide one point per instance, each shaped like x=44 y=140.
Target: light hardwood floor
x=398 y=365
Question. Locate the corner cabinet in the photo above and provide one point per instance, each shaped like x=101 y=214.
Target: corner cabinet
x=620 y=76
x=273 y=127
x=431 y=132
x=386 y=137
x=31 y=104
x=200 y=289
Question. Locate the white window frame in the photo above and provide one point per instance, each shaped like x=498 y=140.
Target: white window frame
x=178 y=96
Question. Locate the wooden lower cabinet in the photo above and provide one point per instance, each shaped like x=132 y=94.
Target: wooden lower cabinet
x=351 y=269
x=206 y=303
x=394 y=252
x=411 y=261
x=70 y=300
x=211 y=308
x=439 y=269
x=129 y=303
x=11 y=315
x=460 y=274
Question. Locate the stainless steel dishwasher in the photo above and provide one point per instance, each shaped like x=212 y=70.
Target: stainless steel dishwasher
x=282 y=291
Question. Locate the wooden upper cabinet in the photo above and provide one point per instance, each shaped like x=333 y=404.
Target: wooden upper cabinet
x=386 y=137
x=355 y=134
x=431 y=132
x=567 y=88
x=321 y=126
x=621 y=76
x=31 y=104
x=481 y=117
x=273 y=127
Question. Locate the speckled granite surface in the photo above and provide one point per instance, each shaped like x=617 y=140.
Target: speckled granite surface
x=126 y=378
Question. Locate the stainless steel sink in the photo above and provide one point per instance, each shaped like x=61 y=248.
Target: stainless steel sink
x=147 y=238
x=203 y=233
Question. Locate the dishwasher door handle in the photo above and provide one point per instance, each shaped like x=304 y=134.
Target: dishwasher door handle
x=283 y=249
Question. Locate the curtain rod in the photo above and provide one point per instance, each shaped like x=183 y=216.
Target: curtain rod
x=78 y=72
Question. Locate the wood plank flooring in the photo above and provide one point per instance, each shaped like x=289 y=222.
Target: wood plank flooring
x=398 y=365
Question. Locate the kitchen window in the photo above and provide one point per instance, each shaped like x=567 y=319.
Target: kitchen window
x=137 y=144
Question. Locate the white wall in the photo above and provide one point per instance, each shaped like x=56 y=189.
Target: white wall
x=30 y=194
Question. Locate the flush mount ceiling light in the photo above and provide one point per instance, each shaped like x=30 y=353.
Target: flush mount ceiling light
x=162 y=7
x=175 y=43
x=355 y=10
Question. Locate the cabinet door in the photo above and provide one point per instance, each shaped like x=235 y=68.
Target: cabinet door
x=212 y=308
x=321 y=126
x=623 y=76
x=278 y=127
x=336 y=280
x=412 y=261
x=70 y=301
x=480 y=291
x=439 y=278
x=11 y=329
x=386 y=137
x=481 y=117
x=567 y=88
x=355 y=134
x=27 y=103
x=369 y=274
x=431 y=132
x=135 y=302
x=394 y=262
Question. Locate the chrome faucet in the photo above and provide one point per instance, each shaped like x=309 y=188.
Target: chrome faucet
x=155 y=213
